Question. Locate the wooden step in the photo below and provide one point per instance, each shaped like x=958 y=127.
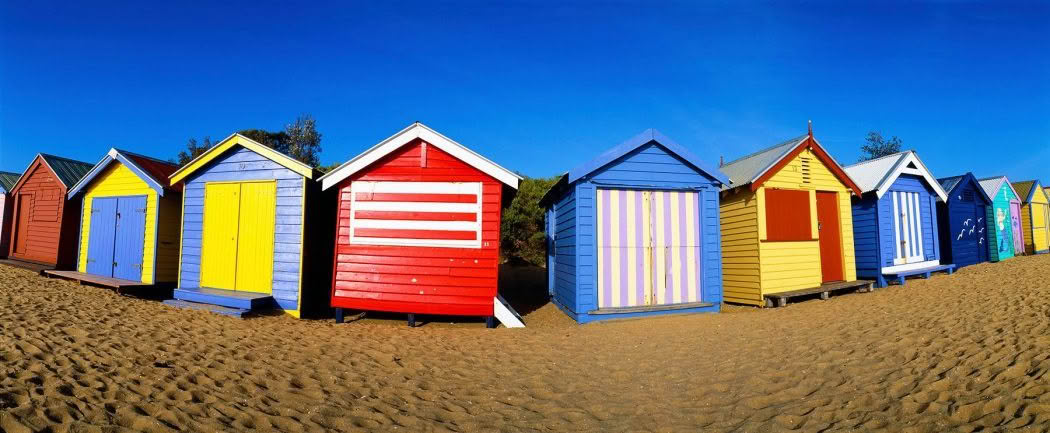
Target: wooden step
x=217 y=309
x=226 y=298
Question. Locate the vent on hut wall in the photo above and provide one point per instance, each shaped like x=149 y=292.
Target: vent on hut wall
x=967 y=195
x=805 y=161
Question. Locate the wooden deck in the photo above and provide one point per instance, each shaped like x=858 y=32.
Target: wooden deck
x=35 y=267
x=80 y=277
x=825 y=290
x=900 y=277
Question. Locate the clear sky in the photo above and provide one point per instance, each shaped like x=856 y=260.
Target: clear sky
x=535 y=87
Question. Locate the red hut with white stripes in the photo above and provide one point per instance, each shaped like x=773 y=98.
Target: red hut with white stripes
x=419 y=227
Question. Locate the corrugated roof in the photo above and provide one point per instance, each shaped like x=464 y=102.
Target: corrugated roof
x=8 y=180
x=869 y=174
x=69 y=171
x=155 y=168
x=949 y=183
x=991 y=185
x=746 y=169
x=1023 y=189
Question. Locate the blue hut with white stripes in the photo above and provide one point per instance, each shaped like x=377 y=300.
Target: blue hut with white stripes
x=895 y=224
x=635 y=232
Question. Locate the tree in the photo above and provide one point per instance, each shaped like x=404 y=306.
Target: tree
x=522 y=235
x=303 y=140
x=877 y=147
x=193 y=150
x=324 y=169
x=275 y=140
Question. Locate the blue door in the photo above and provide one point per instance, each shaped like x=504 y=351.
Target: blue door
x=130 y=236
x=100 y=240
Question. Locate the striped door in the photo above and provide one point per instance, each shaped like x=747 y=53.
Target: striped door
x=648 y=248
x=907 y=227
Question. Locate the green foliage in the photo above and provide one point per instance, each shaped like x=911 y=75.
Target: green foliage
x=193 y=150
x=324 y=169
x=522 y=234
x=877 y=147
x=299 y=140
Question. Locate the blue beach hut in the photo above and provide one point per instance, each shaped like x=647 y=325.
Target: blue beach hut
x=965 y=220
x=895 y=224
x=635 y=232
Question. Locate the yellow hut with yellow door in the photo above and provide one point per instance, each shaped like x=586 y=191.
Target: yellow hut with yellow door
x=787 y=225
x=1035 y=216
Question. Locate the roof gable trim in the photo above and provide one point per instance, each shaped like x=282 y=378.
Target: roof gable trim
x=806 y=143
x=632 y=144
x=111 y=156
x=407 y=135
x=240 y=140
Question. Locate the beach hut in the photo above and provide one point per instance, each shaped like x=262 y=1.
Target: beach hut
x=243 y=229
x=129 y=232
x=419 y=228
x=634 y=232
x=1035 y=216
x=1005 y=236
x=7 y=182
x=787 y=229
x=44 y=223
x=966 y=221
x=899 y=236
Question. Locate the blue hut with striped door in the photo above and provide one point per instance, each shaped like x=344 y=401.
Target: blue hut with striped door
x=635 y=232
x=895 y=224
x=965 y=221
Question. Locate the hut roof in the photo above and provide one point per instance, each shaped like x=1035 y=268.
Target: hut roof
x=755 y=168
x=152 y=171
x=879 y=174
x=949 y=184
x=1025 y=189
x=8 y=180
x=239 y=140
x=992 y=185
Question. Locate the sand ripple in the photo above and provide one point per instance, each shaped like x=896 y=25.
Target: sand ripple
x=970 y=352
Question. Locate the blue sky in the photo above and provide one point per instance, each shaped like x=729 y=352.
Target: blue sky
x=538 y=88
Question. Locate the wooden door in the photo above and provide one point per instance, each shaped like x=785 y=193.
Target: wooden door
x=907 y=228
x=1015 y=222
x=830 y=236
x=130 y=238
x=25 y=206
x=219 y=237
x=101 y=236
x=648 y=248
x=255 y=234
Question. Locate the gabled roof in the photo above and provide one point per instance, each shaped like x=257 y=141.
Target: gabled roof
x=8 y=180
x=992 y=185
x=1026 y=189
x=646 y=137
x=756 y=168
x=239 y=140
x=68 y=171
x=949 y=184
x=152 y=171
x=880 y=173
x=407 y=135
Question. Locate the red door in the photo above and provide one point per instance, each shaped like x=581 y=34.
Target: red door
x=25 y=203
x=830 y=236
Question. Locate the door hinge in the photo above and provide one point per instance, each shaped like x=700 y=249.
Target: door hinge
x=141 y=210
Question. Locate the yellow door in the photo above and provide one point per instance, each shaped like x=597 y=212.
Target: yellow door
x=255 y=240
x=219 y=240
x=237 y=249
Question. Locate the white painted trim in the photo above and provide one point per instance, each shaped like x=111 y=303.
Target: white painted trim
x=412 y=132
x=910 y=267
x=896 y=231
x=505 y=313
x=475 y=208
x=902 y=168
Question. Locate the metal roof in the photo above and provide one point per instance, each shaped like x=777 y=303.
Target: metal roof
x=67 y=170
x=1024 y=189
x=152 y=171
x=992 y=185
x=746 y=169
x=949 y=183
x=8 y=180
x=880 y=173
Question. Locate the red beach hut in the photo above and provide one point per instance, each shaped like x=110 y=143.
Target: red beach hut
x=418 y=228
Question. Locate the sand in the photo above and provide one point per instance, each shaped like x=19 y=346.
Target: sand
x=967 y=352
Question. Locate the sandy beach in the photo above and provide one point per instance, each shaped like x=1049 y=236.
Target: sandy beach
x=967 y=352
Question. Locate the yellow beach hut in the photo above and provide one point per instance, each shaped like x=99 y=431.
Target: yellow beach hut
x=129 y=228
x=787 y=225
x=1035 y=216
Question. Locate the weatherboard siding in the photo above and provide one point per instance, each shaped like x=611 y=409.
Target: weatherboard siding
x=119 y=181
x=244 y=165
x=53 y=220
x=1033 y=215
x=1000 y=242
x=929 y=226
x=565 y=252
x=741 y=267
x=788 y=266
x=963 y=235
